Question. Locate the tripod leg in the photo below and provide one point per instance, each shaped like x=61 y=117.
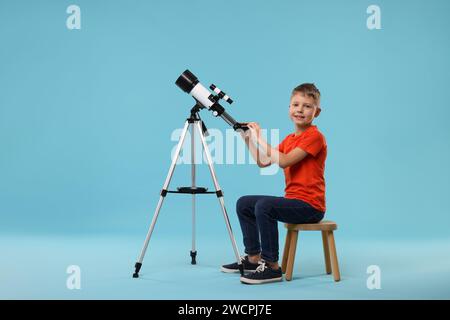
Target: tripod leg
x=138 y=264
x=220 y=197
x=193 y=251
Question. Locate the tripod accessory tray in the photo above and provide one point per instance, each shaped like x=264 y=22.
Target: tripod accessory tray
x=192 y=190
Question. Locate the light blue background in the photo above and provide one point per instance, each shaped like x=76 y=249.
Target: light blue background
x=86 y=118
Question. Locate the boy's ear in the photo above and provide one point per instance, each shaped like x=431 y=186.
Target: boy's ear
x=317 y=112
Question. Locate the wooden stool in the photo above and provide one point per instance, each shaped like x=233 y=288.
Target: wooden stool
x=329 y=247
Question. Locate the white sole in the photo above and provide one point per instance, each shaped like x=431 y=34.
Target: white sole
x=235 y=271
x=252 y=281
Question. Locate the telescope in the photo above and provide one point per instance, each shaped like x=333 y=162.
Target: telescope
x=204 y=99
x=190 y=84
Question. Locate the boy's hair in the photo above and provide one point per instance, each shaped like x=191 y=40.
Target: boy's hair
x=309 y=90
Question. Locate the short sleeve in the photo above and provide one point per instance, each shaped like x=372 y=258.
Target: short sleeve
x=281 y=146
x=312 y=143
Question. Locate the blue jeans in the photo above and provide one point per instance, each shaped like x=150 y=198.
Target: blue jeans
x=258 y=216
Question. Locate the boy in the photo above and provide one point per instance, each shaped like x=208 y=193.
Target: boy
x=302 y=155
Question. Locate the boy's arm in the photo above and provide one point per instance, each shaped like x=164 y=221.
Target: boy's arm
x=283 y=160
x=273 y=155
x=261 y=160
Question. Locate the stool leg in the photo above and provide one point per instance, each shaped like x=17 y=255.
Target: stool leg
x=291 y=256
x=286 y=251
x=333 y=256
x=326 y=252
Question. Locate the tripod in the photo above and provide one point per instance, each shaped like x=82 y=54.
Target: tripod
x=194 y=123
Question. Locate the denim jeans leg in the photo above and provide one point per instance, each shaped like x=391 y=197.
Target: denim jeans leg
x=245 y=208
x=270 y=210
x=268 y=227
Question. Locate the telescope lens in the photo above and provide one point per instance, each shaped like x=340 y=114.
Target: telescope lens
x=186 y=81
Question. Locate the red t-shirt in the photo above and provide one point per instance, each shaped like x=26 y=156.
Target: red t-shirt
x=305 y=179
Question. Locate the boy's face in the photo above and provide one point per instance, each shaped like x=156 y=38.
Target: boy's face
x=303 y=109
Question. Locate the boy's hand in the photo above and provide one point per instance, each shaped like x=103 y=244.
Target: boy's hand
x=255 y=129
x=244 y=133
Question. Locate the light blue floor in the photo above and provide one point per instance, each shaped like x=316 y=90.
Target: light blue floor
x=35 y=268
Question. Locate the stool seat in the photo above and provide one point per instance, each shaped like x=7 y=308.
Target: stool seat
x=320 y=226
x=329 y=247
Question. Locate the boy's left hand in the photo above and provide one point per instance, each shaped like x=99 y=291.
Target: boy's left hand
x=255 y=129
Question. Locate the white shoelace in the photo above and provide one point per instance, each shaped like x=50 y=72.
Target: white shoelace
x=262 y=266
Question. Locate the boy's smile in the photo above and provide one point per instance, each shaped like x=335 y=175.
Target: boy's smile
x=303 y=110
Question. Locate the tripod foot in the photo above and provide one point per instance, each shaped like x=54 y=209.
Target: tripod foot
x=241 y=269
x=137 y=267
x=193 y=255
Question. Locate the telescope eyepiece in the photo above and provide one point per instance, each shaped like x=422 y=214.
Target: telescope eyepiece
x=187 y=81
x=222 y=95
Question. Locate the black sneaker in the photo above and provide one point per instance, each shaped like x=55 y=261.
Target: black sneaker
x=263 y=274
x=233 y=267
